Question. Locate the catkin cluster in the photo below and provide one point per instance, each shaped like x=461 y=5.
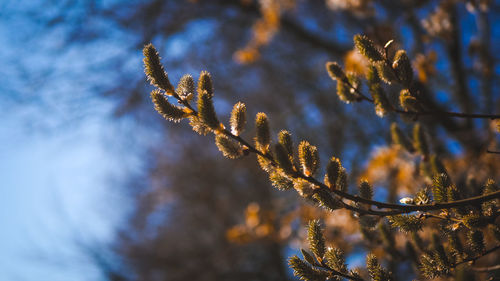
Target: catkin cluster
x=464 y=220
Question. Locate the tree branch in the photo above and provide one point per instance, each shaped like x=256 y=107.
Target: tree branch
x=394 y=208
x=312 y=39
x=363 y=97
x=296 y=29
x=457 y=69
x=486 y=269
x=473 y=259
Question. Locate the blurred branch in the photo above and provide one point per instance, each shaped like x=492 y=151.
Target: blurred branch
x=486 y=60
x=457 y=69
x=310 y=38
x=486 y=269
x=296 y=29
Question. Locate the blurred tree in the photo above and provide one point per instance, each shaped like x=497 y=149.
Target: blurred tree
x=196 y=217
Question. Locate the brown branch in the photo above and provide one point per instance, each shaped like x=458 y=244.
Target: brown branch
x=310 y=38
x=407 y=208
x=441 y=218
x=486 y=269
x=295 y=29
x=362 y=97
x=473 y=259
x=395 y=208
x=335 y=272
x=455 y=55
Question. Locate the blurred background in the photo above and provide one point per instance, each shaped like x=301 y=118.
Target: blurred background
x=97 y=186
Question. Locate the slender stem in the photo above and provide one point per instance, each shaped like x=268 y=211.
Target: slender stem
x=486 y=269
x=473 y=259
x=455 y=114
x=394 y=208
x=324 y=266
x=492 y=152
x=335 y=272
x=409 y=208
x=363 y=97
x=442 y=217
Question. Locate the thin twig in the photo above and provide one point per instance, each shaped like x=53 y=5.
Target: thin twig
x=335 y=272
x=363 y=97
x=409 y=208
x=394 y=208
x=473 y=259
x=486 y=269
x=442 y=218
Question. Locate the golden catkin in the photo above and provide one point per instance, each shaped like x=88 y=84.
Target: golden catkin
x=408 y=102
x=238 y=118
x=262 y=136
x=228 y=147
x=205 y=83
x=335 y=71
x=206 y=111
x=309 y=159
x=402 y=67
x=165 y=108
x=185 y=87
x=154 y=69
x=285 y=139
x=367 y=48
x=332 y=172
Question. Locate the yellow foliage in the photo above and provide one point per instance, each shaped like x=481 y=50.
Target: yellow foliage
x=394 y=166
x=264 y=28
x=424 y=64
x=356 y=63
x=258 y=224
x=238 y=234
x=496 y=125
x=252 y=215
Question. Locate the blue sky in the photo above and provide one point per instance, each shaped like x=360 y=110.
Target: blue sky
x=58 y=151
x=65 y=155
x=55 y=195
